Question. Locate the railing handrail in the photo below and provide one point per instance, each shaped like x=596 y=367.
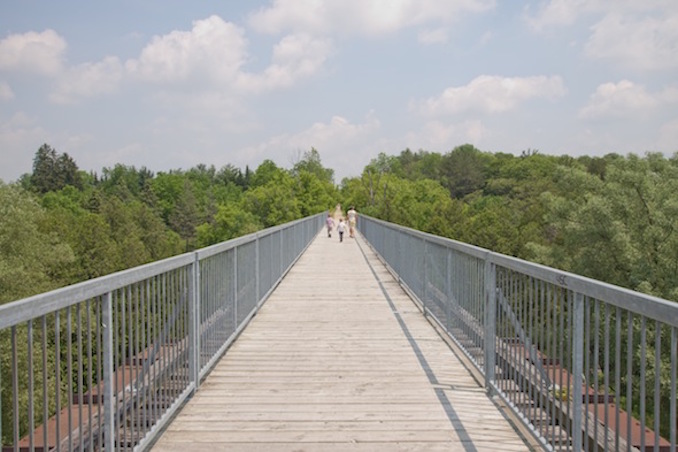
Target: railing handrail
x=647 y=305
x=22 y=310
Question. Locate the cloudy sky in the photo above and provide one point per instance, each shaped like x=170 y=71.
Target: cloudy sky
x=169 y=84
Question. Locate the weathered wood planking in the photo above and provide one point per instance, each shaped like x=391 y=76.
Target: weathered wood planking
x=339 y=360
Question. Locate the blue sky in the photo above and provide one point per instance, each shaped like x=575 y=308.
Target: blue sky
x=169 y=84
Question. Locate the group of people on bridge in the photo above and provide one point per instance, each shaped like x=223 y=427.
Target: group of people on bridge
x=352 y=216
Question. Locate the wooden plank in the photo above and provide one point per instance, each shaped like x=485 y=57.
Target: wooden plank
x=333 y=363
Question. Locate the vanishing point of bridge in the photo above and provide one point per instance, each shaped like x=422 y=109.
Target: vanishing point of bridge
x=287 y=340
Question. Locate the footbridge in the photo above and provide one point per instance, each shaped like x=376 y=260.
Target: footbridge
x=288 y=339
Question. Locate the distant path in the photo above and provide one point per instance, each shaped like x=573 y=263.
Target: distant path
x=337 y=213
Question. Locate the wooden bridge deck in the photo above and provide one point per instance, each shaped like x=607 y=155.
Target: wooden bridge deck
x=340 y=359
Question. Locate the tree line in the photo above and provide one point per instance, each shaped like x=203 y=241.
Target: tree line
x=613 y=218
x=60 y=225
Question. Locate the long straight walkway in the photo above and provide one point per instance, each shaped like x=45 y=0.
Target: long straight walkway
x=339 y=359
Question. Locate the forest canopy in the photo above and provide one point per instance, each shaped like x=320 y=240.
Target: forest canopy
x=612 y=218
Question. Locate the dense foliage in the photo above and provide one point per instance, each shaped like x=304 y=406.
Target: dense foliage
x=612 y=218
x=60 y=225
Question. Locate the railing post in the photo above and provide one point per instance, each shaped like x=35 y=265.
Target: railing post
x=235 y=288
x=448 y=292
x=424 y=289
x=109 y=400
x=577 y=370
x=193 y=322
x=257 y=261
x=490 y=321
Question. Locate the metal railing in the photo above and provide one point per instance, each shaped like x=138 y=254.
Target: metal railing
x=583 y=364
x=104 y=364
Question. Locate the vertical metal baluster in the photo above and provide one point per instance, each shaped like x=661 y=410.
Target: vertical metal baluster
x=561 y=352
x=606 y=376
x=490 y=323
x=69 y=373
x=57 y=376
x=98 y=316
x=534 y=352
x=150 y=354
x=596 y=360
x=192 y=342
x=31 y=398
x=121 y=301
x=163 y=322
x=514 y=337
x=448 y=293
x=657 y=380
x=543 y=315
x=629 y=379
x=109 y=402
x=1 y=396
x=577 y=369
x=554 y=358
x=154 y=348
x=526 y=349
x=257 y=263
x=15 y=388
x=45 y=401
x=196 y=318
x=643 y=346
x=130 y=359
x=78 y=316
x=90 y=380
x=672 y=403
x=589 y=369
x=617 y=374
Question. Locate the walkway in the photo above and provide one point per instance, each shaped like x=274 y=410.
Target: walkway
x=339 y=359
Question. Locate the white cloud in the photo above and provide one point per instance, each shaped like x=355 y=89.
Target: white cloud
x=294 y=57
x=493 y=94
x=436 y=36
x=88 y=80
x=212 y=50
x=32 y=52
x=623 y=99
x=214 y=54
x=640 y=35
x=364 y=17
x=6 y=92
x=648 y=43
x=556 y=13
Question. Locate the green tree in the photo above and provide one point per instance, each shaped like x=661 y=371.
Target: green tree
x=32 y=260
x=231 y=221
x=53 y=171
x=621 y=230
x=464 y=170
x=311 y=163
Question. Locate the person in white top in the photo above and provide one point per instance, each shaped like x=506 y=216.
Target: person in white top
x=352 y=219
x=341 y=227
